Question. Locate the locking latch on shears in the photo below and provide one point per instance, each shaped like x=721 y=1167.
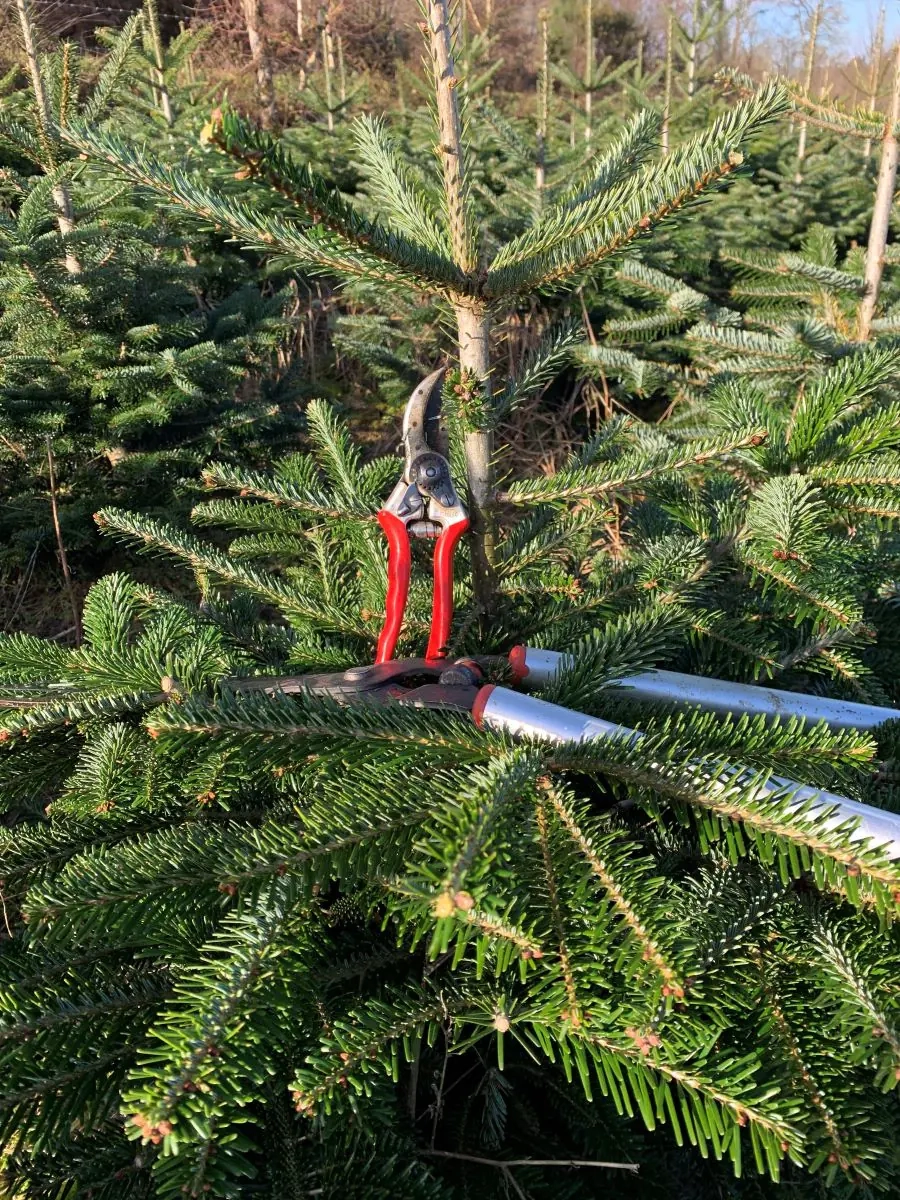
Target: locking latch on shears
x=424 y=504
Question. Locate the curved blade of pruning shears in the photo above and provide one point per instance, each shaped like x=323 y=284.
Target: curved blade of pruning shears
x=423 y=429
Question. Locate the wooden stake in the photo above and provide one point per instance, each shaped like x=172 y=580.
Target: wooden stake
x=472 y=316
x=63 y=558
x=881 y=213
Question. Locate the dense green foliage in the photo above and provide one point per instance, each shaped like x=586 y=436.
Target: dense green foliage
x=256 y=944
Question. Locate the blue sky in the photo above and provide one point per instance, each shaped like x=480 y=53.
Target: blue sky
x=855 y=32
x=861 y=16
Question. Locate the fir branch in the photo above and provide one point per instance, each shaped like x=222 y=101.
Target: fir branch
x=628 y=472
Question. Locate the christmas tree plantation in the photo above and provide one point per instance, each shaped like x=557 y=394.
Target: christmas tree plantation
x=255 y=943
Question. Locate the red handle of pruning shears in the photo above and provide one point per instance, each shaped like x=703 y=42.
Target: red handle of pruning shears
x=442 y=604
x=399 y=567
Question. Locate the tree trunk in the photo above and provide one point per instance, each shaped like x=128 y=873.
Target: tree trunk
x=62 y=200
x=667 y=98
x=588 y=67
x=807 y=84
x=472 y=317
x=692 y=52
x=342 y=71
x=159 y=59
x=875 y=73
x=259 y=53
x=543 y=105
x=327 y=65
x=299 y=8
x=881 y=213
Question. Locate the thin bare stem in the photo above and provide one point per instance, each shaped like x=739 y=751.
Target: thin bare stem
x=63 y=557
x=505 y=1164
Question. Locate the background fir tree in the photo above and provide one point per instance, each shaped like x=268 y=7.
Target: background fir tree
x=129 y=352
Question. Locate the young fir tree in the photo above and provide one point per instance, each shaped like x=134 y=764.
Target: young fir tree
x=124 y=348
x=248 y=931
x=792 y=315
x=795 y=313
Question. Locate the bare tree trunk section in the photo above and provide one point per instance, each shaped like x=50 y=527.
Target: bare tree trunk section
x=881 y=213
x=875 y=73
x=342 y=70
x=254 y=21
x=543 y=98
x=667 y=97
x=692 y=52
x=159 y=59
x=299 y=11
x=62 y=200
x=327 y=64
x=472 y=318
x=807 y=84
x=588 y=67
x=61 y=546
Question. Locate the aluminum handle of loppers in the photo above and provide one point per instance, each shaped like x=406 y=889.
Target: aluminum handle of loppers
x=536 y=668
x=521 y=715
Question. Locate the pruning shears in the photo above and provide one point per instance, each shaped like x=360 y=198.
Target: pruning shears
x=424 y=504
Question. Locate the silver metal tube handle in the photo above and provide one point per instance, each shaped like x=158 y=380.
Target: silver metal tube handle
x=527 y=716
x=535 y=668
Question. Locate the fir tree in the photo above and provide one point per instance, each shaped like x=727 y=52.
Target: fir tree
x=136 y=365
